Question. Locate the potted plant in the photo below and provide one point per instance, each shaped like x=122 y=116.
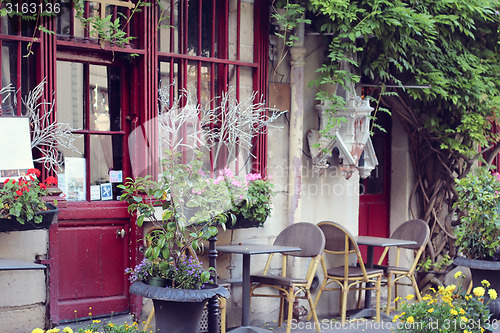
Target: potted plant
x=21 y=203
x=185 y=207
x=253 y=209
x=478 y=234
x=449 y=309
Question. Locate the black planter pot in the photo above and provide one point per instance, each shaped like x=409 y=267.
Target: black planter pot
x=157 y=281
x=47 y=217
x=484 y=270
x=178 y=310
x=242 y=223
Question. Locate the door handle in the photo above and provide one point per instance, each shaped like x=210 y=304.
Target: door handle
x=121 y=233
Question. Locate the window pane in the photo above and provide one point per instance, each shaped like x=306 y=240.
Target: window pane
x=70 y=102
x=246 y=35
x=104 y=97
x=105 y=156
x=9 y=76
x=164 y=9
x=71 y=174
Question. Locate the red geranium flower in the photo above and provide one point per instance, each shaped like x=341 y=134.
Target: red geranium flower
x=34 y=171
x=43 y=186
x=51 y=180
x=19 y=193
x=6 y=181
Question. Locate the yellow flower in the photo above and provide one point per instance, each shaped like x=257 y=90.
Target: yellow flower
x=88 y=331
x=396 y=317
x=427 y=297
x=482 y=330
x=458 y=274
x=454 y=312
x=431 y=310
x=53 y=330
x=409 y=297
x=485 y=283
x=465 y=331
x=492 y=293
x=461 y=311
x=67 y=330
x=397 y=299
x=410 y=319
x=96 y=321
x=37 y=330
x=478 y=291
x=111 y=324
x=450 y=288
x=464 y=319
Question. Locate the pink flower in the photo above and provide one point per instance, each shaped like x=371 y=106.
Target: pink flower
x=226 y=172
x=253 y=176
x=236 y=183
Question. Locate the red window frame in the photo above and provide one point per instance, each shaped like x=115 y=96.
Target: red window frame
x=218 y=60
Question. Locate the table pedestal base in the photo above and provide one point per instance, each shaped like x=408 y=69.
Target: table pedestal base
x=249 y=329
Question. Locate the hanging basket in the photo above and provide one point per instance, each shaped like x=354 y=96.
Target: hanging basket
x=7 y=225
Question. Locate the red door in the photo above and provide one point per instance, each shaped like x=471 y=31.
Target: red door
x=90 y=257
x=93 y=242
x=374 y=190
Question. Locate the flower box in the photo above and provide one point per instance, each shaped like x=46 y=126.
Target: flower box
x=14 y=225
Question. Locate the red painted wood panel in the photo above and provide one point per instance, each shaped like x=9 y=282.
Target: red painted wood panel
x=92 y=260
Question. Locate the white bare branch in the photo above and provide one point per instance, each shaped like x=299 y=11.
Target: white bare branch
x=230 y=126
x=47 y=135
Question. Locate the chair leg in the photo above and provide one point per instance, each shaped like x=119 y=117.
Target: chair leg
x=313 y=310
x=389 y=294
x=377 y=304
x=396 y=294
x=320 y=291
x=360 y=290
x=415 y=286
x=345 y=291
x=291 y=298
x=282 y=305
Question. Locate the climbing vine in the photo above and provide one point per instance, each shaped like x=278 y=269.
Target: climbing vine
x=436 y=64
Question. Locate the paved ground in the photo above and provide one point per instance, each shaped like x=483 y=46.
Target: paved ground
x=327 y=326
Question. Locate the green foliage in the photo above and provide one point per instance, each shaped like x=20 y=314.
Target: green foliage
x=107 y=29
x=289 y=15
x=450 y=46
x=21 y=199
x=427 y=264
x=191 y=204
x=478 y=235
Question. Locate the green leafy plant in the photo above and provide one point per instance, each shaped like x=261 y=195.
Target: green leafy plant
x=428 y=265
x=478 y=234
x=148 y=268
x=256 y=204
x=185 y=207
x=21 y=199
x=449 y=309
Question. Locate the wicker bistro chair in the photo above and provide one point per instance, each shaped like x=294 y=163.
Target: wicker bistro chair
x=311 y=240
x=345 y=278
x=415 y=230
